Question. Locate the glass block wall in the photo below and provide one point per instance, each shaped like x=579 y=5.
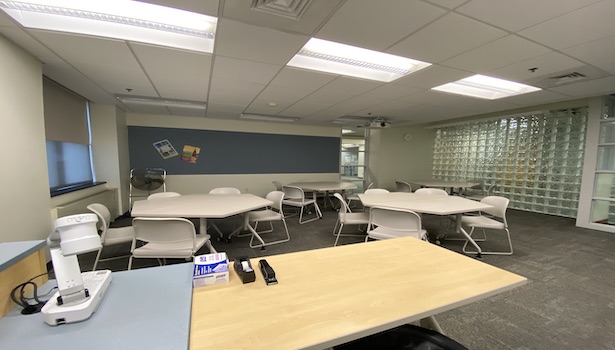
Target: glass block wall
x=535 y=160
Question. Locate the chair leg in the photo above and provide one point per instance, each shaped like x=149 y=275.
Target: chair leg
x=97 y=258
x=260 y=239
x=318 y=215
x=338 y=233
x=509 y=252
x=130 y=263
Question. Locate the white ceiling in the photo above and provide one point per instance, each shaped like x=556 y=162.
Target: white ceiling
x=247 y=73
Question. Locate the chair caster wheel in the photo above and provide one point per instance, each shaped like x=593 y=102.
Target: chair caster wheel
x=219 y=239
x=438 y=242
x=228 y=240
x=262 y=248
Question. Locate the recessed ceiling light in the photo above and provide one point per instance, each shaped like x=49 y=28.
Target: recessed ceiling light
x=332 y=57
x=119 y=19
x=482 y=86
x=268 y=118
x=157 y=101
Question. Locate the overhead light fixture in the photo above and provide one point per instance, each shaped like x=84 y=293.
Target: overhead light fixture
x=482 y=86
x=332 y=57
x=157 y=101
x=347 y=131
x=268 y=118
x=118 y=19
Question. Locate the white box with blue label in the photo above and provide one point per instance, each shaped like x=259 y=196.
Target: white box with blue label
x=210 y=269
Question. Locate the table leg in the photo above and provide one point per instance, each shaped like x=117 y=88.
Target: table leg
x=459 y=229
x=431 y=323
x=203 y=225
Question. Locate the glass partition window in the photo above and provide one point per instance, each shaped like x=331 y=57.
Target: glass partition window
x=535 y=160
x=603 y=200
x=353 y=161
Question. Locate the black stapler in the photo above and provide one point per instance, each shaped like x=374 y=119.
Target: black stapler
x=244 y=269
x=267 y=271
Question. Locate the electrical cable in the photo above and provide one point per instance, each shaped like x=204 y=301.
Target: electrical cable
x=23 y=300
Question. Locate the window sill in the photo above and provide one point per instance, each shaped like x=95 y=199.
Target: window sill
x=74 y=188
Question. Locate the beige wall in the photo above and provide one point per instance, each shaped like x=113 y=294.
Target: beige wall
x=110 y=150
x=25 y=205
x=392 y=158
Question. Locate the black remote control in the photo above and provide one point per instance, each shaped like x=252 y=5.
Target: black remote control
x=267 y=271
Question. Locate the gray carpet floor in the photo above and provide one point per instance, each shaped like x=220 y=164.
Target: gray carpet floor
x=568 y=302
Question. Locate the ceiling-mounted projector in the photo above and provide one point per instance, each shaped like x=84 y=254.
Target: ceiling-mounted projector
x=379 y=123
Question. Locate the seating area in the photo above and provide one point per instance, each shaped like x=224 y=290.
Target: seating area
x=559 y=237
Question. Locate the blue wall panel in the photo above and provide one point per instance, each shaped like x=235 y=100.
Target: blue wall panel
x=226 y=152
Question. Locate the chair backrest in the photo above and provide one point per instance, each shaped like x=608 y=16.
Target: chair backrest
x=104 y=217
x=376 y=191
x=293 y=192
x=395 y=219
x=225 y=190
x=403 y=186
x=499 y=204
x=432 y=191
x=163 y=195
x=344 y=208
x=277 y=184
x=276 y=197
x=171 y=231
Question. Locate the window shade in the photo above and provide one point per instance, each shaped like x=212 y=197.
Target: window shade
x=65 y=114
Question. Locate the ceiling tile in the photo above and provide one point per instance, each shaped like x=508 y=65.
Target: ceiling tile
x=451 y=4
x=536 y=98
x=233 y=92
x=599 y=53
x=374 y=25
x=247 y=42
x=446 y=37
x=240 y=70
x=590 y=23
x=548 y=64
x=188 y=80
x=496 y=54
x=590 y=88
x=302 y=79
x=108 y=62
x=518 y=14
x=433 y=76
x=341 y=89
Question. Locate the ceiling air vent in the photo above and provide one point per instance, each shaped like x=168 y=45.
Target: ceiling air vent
x=292 y=9
x=567 y=78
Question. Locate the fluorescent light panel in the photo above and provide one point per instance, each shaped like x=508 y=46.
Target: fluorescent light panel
x=482 y=86
x=331 y=57
x=156 y=101
x=118 y=19
x=268 y=118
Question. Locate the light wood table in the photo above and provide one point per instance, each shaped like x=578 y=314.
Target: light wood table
x=200 y=206
x=330 y=296
x=19 y=262
x=428 y=204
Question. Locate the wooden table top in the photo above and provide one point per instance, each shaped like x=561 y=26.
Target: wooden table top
x=330 y=296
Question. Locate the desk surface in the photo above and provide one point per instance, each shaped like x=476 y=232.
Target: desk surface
x=330 y=296
x=13 y=252
x=143 y=309
x=423 y=203
x=324 y=185
x=199 y=205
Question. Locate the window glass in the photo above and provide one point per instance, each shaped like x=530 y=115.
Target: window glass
x=68 y=164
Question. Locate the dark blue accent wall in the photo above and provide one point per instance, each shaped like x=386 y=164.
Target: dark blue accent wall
x=227 y=152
